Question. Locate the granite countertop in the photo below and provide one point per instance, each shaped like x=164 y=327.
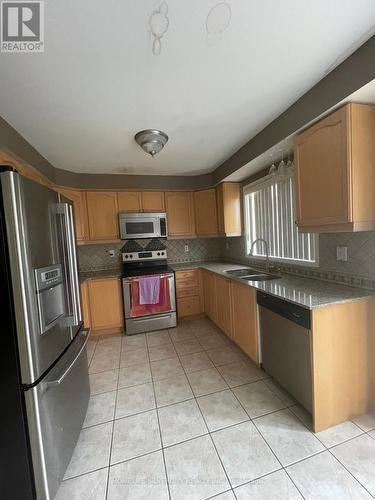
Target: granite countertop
x=306 y=292
x=101 y=273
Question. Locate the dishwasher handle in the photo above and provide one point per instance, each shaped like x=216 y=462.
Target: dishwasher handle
x=293 y=312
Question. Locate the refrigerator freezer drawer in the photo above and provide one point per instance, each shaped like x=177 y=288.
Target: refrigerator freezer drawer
x=56 y=409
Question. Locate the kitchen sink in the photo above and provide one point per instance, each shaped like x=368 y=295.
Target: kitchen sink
x=260 y=277
x=240 y=272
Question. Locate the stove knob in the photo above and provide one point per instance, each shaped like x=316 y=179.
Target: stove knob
x=126 y=256
x=131 y=256
x=158 y=253
x=163 y=253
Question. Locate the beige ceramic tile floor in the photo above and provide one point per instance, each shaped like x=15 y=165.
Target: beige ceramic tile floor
x=182 y=414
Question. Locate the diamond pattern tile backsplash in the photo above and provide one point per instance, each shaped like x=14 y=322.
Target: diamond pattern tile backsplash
x=359 y=270
x=97 y=257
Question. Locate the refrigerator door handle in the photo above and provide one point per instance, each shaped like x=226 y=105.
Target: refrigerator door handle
x=71 y=261
x=58 y=381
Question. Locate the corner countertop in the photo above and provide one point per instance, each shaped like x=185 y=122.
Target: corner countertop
x=101 y=273
x=306 y=292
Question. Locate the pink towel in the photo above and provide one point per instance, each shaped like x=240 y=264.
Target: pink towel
x=149 y=290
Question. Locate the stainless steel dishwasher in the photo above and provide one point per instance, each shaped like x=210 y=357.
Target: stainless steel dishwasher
x=286 y=345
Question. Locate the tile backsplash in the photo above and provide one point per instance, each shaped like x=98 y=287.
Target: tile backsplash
x=97 y=257
x=359 y=270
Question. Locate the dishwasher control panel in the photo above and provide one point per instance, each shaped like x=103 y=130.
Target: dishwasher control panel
x=298 y=314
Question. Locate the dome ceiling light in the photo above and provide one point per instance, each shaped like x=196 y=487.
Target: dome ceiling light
x=151 y=141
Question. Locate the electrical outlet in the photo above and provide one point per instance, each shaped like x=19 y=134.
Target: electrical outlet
x=186 y=248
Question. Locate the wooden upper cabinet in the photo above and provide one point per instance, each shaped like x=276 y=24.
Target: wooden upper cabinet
x=335 y=172
x=180 y=214
x=145 y=201
x=228 y=197
x=106 y=306
x=102 y=215
x=244 y=319
x=153 y=201
x=206 y=222
x=223 y=301
x=80 y=211
x=129 y=201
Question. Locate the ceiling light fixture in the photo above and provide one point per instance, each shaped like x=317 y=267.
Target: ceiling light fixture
x=151 y=141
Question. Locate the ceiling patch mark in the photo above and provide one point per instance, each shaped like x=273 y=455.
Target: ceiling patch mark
x=218 y=19
x=159 y=24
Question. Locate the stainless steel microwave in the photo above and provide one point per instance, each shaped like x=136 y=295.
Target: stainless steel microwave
x=143 y=225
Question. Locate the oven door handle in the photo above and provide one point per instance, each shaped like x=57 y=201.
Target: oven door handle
x=135 y=280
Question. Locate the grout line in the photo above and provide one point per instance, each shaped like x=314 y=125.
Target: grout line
x=159 y=426
x=113 y=429
x=205 y=423
x=253 y=420
x=344 y=466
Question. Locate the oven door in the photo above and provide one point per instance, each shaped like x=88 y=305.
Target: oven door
x=133 y=309
x=137 y=226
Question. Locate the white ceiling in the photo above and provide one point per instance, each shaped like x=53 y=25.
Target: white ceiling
x=364 y=95
x=98 y=83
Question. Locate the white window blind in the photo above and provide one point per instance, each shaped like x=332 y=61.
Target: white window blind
x=270 y=213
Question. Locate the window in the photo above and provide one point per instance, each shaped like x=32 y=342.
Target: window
x=270 y=213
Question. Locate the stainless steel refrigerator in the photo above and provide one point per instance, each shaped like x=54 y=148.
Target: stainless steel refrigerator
x=43 y=361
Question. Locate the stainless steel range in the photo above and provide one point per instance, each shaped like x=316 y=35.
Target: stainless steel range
x=149 y=291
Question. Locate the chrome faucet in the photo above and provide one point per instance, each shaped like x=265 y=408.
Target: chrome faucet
x=267 y=251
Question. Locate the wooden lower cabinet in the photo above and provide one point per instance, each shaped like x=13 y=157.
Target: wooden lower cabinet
x=233 y=308
x=245 y=319
x=209 y=295
x=189 y=301
x=106 y=304
x=223 y=305
x=85 y=304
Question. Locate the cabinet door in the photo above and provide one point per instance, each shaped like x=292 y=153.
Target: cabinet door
x=206 y=213
x=228 y=196
x=80 y=211
x=188 y=306
x=85 y=304
x=103 y=215
x=180 y=214
x=106 y=303
x=209 y=294
x=223 y=300
x=153 y=201
x=129 y=201
x=244 y=322
x=323 y=172
x=220 y=209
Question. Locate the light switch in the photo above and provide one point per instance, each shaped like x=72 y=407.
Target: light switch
x=186 y=248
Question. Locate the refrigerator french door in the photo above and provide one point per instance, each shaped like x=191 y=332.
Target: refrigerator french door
x=48 y=386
